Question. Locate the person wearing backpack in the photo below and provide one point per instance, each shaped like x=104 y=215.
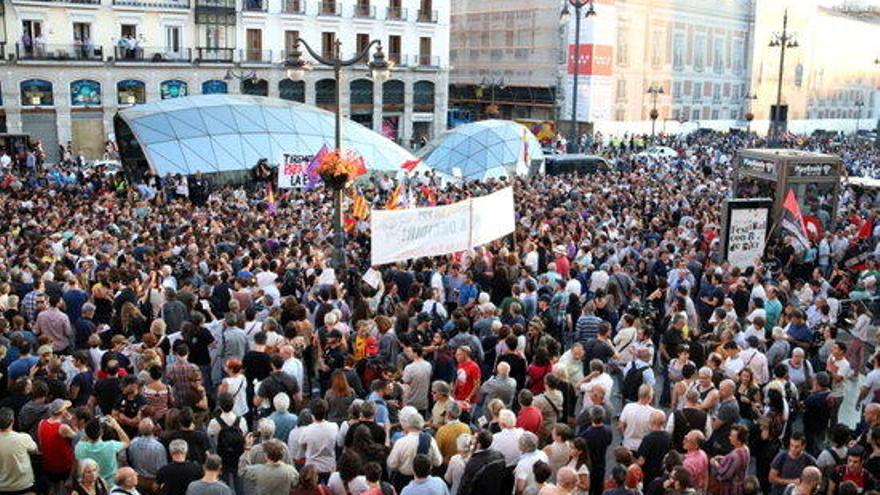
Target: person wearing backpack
x=831 y=457
x=405 y=450
x=227 y=433
x=636 y=373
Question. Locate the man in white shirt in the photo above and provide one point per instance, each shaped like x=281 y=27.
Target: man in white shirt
x=838 y=367
x=525 y=478
x=404 y=451
x=435 y=304
x=318 y=441
x=872 y=383
x=599 y=377
x=599 y=279
x=506 y=441
x=635 y=419
x=733 y=363
x=265 y=278
x=755 y=360
x=292 y=364
x=437 y=278
x=572 y=361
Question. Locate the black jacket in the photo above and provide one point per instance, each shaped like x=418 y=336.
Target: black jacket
x=482 y=474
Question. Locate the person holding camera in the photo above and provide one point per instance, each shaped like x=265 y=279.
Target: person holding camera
x=93 y=446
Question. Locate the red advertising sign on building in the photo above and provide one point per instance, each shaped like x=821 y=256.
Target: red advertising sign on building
x=595 y=60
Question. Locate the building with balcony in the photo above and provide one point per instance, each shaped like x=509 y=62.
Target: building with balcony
x=832 y=74
x=70 y=65
x=505 y=56
x=708 y=57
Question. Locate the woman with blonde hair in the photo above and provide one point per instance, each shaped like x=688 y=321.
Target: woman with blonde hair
x=131 y=321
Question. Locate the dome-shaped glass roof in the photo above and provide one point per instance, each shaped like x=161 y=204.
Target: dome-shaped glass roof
x=483 y=150
x=222 y=132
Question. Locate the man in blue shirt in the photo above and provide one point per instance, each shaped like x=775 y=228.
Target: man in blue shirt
x=467 y=292
x=798 y=331
x=22 y=366
x=424 y=483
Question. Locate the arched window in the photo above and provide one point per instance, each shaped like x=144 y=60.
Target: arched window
x=36 y=93
x=214 y=87
x=288 y=89
x=325 y=93
x=423 y=96
x=173 y=88
x=131 y=92
x=392 y=96
x=361 y=95
x=361 y=100
x=85 y=92
x=256 y=87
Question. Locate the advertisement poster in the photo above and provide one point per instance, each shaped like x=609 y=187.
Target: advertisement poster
x=172 y=89
x=85 y=92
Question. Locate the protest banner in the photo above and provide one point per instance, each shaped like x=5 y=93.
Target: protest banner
x=744 y=232
x=292 y=171
x=404 y=234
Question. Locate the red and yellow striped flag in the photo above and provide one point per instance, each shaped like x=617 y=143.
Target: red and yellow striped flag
x=360 y=209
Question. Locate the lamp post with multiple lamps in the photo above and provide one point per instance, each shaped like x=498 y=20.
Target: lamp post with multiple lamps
x=655 y=90
x=783 y=41
x=858 y=104
x=749 y=116
x=492 y=84
x=564 y=19
x=877 y=130
x=380 y=69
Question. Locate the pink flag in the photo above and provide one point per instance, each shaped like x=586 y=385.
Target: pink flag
x=313 y=179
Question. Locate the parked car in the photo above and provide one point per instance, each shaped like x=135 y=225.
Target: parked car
x=576 y=164
x=106 y=167
x=655 y=152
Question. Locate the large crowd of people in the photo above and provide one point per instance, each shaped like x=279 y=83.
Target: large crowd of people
x=163 y=336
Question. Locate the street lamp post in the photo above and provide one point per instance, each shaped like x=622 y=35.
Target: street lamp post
x=492 y=83
x=564 y=18
x=783 y=40
x=380 y=69
x=655 y=90
x=858 y=104
x=749 y=116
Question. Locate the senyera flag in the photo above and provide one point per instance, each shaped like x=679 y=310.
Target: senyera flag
x=792 y=221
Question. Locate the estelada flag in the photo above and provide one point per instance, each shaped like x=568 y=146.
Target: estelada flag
x=395 y=201
x=792 y=221
x=814 y=228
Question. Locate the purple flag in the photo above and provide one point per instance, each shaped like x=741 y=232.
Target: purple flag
x=312 y=177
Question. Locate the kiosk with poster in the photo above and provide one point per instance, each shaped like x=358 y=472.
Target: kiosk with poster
x=770 y=173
